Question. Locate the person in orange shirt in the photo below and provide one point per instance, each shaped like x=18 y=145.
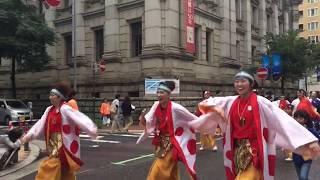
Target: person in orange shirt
x=72 y=101
x=105 y=112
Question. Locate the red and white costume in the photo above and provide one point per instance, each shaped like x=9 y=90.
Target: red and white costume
x=70 y=123
x=273 y=127
x=181 y=135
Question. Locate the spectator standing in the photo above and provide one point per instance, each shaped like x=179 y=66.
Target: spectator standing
x=72 y=101
x=105 y=112
x=127 y=109
x=114 y=111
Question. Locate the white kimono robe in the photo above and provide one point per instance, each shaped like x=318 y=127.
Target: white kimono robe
x=71 y=121
x=184 y=139
x=277 y=128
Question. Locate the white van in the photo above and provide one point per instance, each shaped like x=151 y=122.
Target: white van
x=13 y=110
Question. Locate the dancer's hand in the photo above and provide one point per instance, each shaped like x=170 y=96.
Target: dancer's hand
x=315 y=148
x=25 y=139
x=142 y=119
x=218 y=111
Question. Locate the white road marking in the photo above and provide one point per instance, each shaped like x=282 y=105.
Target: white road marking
x=133 y=159
x=104 y=141
x=87 y=136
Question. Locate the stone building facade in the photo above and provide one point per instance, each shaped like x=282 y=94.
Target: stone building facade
x=140 y=39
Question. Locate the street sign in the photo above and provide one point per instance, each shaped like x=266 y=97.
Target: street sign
x=53 y=3
x=262 y=73
x=102 y=66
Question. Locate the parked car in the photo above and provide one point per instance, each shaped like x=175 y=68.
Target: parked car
x=14 y=110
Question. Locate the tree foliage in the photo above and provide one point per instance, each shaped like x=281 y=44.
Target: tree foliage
x=298 y=55
x=24 y=35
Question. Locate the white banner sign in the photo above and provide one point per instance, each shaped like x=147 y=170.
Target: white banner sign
x=151 y=85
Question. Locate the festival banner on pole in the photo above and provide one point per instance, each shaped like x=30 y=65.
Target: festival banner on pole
x=266 y=61
x=189 y=25
x=276 y=64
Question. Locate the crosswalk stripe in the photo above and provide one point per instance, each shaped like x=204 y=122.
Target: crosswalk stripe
x=103 y=141
x=133 y=159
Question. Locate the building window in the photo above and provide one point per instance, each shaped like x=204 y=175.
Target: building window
x=313 y=39
x=253 y=52
x=136 y=38
x=301 y=13
x=238 y=9
x=312 y=26
x=40 y=7
x=254 y=16
x=208 y=44
x=281 y=27
x=313 y=12
x=68 y=48
x=197 y=41
x=238 y=50
x=301 y=27
x=67 y=3
x=269 y=24
x=312 y=1
x=99 y=44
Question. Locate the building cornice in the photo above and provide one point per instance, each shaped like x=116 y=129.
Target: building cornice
x=93 y=14
x=209 y=15
x=63 y=21
x=130 y=5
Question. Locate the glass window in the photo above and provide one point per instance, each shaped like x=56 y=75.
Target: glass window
x=68 y=48
x=238 y=9
x=313 y=12
x=99 y=44
x=16 y=104
x=208 y=44
x=136 y=38
x=312 y=26
x=313 y=39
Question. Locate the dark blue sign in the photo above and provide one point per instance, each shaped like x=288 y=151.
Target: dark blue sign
x=276 y=64
x=266 y=61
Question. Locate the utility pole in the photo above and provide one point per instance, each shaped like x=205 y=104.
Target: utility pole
x=75 y=71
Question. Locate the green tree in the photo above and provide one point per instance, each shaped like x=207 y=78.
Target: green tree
x=24 y=36
x=298 y=55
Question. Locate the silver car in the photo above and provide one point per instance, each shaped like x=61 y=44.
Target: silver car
x=13 y=110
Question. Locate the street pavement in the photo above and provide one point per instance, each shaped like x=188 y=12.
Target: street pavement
x=117 y=157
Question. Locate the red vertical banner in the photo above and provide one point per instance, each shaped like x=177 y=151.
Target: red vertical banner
x=189 y=25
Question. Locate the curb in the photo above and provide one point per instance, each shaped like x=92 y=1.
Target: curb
x=34 y=154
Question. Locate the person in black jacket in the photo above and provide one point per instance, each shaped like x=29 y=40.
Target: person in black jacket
x=127 y=108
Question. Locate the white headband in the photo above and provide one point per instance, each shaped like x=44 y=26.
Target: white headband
x=57 y=93
x=164 y=88
x=243 y=74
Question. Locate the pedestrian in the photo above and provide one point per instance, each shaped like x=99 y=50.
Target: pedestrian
x=115 y=113
x=303 y=166
x=60 y=125
x=105 y=112
x=72 y=101
x=127 y=109
x=252 y=126
x=173 y=138
x=315 y=101
x=207 y=141
x=8 y=142
x=301 y=94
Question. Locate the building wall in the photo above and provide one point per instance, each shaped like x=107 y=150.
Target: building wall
x=305 y=18
x=232 y=39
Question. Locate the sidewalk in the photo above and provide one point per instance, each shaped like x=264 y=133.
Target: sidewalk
x=24 y=159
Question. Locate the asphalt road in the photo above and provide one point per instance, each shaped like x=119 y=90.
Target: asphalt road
x=117 y=157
